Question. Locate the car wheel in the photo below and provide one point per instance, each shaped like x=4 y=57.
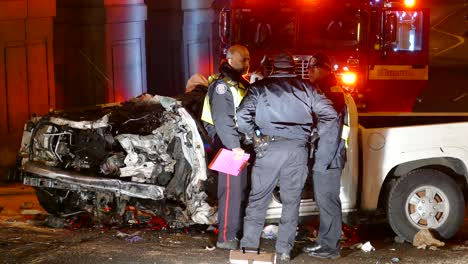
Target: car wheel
x=56 y=201
x=425 y=199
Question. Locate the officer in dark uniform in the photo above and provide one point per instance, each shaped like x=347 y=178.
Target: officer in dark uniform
x=282 y=106
x=327 y=183
x=225 y=92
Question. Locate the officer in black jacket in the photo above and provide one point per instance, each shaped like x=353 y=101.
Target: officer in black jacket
x=327 y=184
x=282 y=107
x=225 y=92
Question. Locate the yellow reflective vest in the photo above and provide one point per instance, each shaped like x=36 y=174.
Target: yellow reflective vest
x=238 y=92
x=346 y=128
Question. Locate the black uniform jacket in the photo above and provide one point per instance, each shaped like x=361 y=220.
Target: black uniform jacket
x=222 y=107
x=325 y=85
x=286 y=106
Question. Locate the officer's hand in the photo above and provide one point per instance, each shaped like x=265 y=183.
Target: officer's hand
x=238 y=153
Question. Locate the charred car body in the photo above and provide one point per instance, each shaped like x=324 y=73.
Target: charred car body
x=114 y=156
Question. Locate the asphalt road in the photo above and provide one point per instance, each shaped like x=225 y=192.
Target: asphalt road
x=25 y=239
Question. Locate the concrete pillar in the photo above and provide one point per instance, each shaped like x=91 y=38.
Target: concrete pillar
x=100 y=52
x=179 y=43
x=26 y=69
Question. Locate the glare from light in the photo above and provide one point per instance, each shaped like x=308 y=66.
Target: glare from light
x=410 y=3
x=335 y=67
x=349 y=78
x=345 y=68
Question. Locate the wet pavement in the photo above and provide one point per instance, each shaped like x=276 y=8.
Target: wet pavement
x=24 y=238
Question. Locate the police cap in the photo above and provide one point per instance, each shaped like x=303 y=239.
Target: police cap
x=283 y=60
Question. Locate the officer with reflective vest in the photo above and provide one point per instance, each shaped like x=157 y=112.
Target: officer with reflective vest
x=327 y=184
x=225 y=92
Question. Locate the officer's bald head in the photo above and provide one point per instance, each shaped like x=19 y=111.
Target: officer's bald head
x=239 y=58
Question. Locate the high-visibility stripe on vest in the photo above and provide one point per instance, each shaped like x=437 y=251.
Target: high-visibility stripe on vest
x=238 y=92
x=346 y=128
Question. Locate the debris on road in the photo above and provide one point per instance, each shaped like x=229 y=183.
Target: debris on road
x=270 y=232
x=356 y=246
x=367 y=247
x=133 y=239
x=395 y=260
x=157 y=223
x=424 y=239
x=125 y=235
x=210 y=248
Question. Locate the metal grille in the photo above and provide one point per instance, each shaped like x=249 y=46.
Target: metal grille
x=302 y=65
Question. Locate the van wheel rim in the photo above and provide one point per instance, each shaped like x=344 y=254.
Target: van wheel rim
x=427 y=207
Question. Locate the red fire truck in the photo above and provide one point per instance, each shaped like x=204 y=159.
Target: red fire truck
x=379 y=48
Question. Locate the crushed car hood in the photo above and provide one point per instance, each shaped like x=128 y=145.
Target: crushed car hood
x=147 y=148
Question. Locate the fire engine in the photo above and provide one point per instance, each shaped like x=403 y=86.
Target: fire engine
x=379 y=48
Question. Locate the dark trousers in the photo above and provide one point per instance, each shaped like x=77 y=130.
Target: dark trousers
x=231 y=204
x=327 y=195
x=284 y=161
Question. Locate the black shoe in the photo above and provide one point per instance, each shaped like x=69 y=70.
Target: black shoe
x=311 y=248
x=325 y=253
x=283 y=257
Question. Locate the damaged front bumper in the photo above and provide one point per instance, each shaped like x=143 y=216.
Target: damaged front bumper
x=145 y=149
x=52 y=177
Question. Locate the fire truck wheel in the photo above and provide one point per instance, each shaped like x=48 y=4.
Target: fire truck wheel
x=56 y=201
x=425 y=199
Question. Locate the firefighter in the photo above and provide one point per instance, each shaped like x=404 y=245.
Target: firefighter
x=327 y=183
x=280 y=108
x=225 y=92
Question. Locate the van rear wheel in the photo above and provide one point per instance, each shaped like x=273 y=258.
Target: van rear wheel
x=425 y=199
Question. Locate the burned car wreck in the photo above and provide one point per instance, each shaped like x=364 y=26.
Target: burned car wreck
x=147 y=153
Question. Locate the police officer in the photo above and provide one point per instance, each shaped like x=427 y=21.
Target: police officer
x=281 y=106
x=225 y=92
x=327 y=183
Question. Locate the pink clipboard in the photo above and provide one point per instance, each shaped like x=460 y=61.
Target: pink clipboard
x=224 y=162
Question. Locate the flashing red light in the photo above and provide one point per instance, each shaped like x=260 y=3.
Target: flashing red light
x=349 y=78
x=410 y=3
